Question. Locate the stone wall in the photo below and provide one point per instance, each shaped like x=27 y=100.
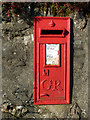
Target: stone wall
x=17 y=77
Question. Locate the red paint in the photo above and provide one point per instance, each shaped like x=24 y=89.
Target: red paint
x=51 y=82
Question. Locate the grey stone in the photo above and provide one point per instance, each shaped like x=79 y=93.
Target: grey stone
x=75 y=116
x=79 y=21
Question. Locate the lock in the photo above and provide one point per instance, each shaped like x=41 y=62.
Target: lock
x=46 y=72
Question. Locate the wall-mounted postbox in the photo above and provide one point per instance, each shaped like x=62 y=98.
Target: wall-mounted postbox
x=51 y=60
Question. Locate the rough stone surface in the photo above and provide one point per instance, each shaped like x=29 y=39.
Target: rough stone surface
x=17 y=54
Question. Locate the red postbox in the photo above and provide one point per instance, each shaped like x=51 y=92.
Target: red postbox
x=51 y=60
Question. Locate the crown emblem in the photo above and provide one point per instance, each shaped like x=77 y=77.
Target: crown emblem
x=52 y=24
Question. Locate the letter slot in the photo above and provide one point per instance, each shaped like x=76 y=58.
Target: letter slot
x=52 y=33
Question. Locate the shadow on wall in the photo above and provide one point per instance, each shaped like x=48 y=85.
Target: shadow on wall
x=71 y=59
x=0 y=20
x=30 y=14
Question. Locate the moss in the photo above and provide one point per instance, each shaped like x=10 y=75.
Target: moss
x=53 y=10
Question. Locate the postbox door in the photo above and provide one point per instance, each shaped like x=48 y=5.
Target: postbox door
x=52 y=71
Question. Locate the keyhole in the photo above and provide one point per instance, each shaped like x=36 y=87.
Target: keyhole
x=45 y=71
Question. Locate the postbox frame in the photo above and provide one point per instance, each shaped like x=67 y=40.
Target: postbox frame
x=37 y=100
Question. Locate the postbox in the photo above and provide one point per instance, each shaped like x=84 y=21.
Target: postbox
x=51 y=60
